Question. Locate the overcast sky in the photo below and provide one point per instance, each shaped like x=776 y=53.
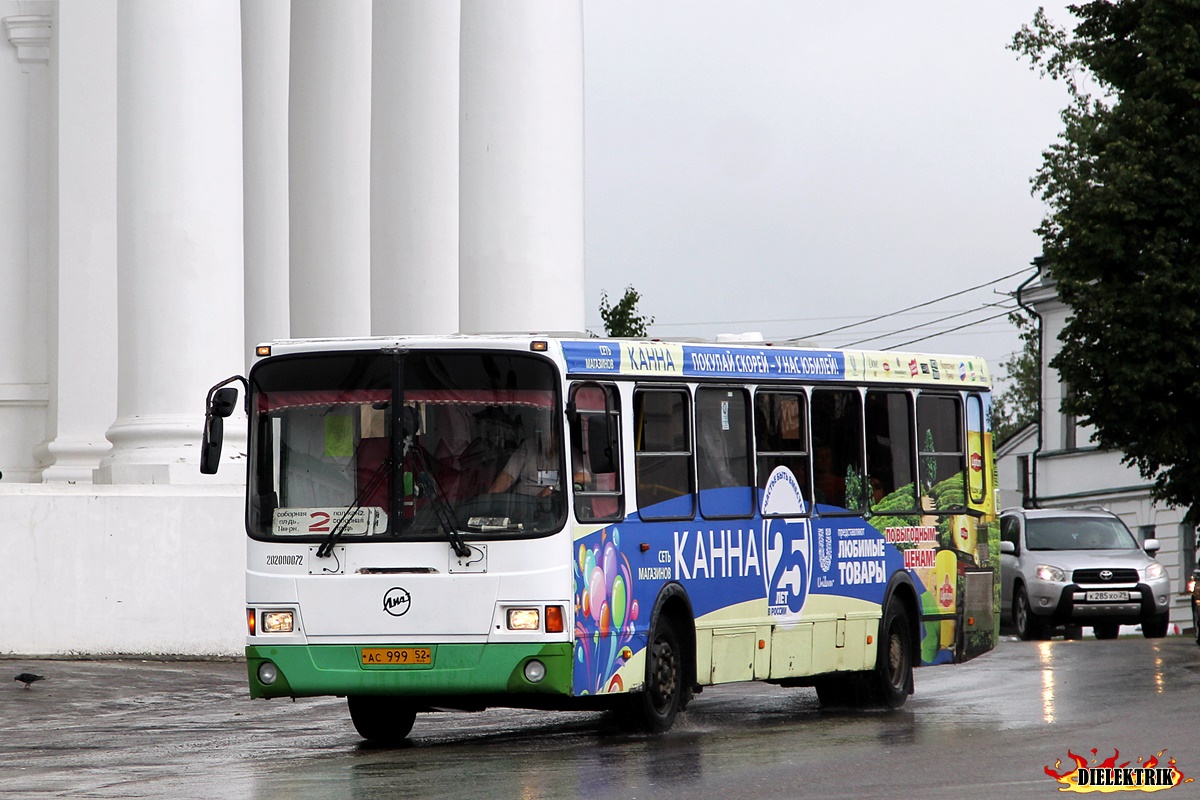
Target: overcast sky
x=794 y=166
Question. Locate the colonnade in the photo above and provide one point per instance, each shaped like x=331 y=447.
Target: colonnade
x=218 y=173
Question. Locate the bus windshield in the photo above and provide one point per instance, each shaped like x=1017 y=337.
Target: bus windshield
x=416 y=445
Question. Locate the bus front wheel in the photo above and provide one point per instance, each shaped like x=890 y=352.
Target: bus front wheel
x=381 y=720
x=655 y=707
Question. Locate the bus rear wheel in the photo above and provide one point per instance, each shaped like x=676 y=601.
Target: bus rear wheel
x=381 y=720
x=891 y=682
x=655 y=707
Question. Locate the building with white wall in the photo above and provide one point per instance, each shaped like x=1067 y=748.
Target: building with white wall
x=1056 y=463
x=182 y=179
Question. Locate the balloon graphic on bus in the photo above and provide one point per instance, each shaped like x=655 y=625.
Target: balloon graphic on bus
x=606 y=614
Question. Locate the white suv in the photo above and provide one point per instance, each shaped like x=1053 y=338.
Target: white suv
x=1072 y=568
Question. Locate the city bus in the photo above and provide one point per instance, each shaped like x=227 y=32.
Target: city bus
x=564 y=522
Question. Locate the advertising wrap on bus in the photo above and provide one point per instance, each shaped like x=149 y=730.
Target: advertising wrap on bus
x=667 y=359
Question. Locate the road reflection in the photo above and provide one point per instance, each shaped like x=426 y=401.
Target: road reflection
x=1046 y=659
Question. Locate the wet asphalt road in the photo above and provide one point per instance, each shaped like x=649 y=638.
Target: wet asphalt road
x=133 y=728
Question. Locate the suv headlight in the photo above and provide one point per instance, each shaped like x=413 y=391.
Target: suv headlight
x=1155 y=571
x=1046 y=572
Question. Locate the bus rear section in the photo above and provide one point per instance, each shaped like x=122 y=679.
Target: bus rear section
x=833 y=529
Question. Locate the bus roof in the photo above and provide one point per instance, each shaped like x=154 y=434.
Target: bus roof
x=685 y=359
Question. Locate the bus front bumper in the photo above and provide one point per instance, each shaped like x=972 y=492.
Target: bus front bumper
x=454 y=670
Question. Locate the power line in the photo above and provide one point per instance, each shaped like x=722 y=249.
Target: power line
x=932 y=322
x=918 y=305
x=948 y=330
x=760 y=321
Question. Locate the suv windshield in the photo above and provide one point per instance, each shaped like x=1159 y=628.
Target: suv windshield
x=1077 y=533
x=380 y=444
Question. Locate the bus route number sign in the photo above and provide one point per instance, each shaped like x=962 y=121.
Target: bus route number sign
x=396 y=656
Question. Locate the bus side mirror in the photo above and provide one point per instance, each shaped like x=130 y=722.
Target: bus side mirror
x=210 y=445
x=224 y=401
x=221 y=403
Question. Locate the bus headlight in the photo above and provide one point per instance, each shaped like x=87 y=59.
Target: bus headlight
x=524 y=619
x=277 y=622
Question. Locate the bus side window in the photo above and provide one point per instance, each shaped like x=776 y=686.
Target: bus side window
x=595 y=427
x=663 y=453
x=722 y=453
x=781 y=437
x=837 y=449
x=890 y=448
x=940 y=452
x=976 y=471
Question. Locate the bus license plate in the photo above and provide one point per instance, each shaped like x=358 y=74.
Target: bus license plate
x=1108 y=597
x=396 y=656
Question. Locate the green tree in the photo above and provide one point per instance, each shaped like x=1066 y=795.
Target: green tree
x=1017 y=405
x=623 y=319
x=1122 y=235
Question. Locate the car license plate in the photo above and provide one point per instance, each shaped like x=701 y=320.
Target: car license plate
x=396 y=656
x=1108 y=597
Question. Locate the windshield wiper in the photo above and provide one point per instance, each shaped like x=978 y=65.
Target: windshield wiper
x=437 y=500
x=444 y=512
x=377 y=477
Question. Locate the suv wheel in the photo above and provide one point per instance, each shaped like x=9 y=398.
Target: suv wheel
x=1028 y=624
x=1156 y=627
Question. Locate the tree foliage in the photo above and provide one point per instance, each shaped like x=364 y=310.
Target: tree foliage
x=1122 y=235
x=1017 y=405
x=623 y=318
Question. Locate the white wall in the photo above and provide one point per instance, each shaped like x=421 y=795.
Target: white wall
x=122 y=569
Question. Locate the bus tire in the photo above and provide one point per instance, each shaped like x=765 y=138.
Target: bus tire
x=381 y=720
x=655 y=707
x=890 y=684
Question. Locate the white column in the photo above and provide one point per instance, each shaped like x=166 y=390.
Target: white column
x=179 y=229
x=414 y=167
x=265 y=54
x=521 y=228
x=82 y=317
x=330 y=167
x=24 y=121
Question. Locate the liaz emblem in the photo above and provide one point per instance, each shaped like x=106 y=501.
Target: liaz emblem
x=397 y=601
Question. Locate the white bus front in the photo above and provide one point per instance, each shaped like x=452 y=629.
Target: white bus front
x=398 y=553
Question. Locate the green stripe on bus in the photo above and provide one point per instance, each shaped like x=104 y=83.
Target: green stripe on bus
x=466 y=669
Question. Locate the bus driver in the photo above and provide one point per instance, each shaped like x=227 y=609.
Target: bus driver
x=531 y=470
